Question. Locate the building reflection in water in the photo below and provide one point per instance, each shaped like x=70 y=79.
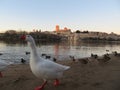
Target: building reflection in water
x=56 y=49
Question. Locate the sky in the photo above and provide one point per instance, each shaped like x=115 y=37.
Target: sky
x=91 y=15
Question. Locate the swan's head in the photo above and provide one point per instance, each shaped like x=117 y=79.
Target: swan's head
x=28 y=38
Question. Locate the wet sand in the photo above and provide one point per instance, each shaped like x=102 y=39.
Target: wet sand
x=90 y=76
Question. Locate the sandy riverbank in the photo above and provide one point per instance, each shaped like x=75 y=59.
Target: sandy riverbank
x=91 y=76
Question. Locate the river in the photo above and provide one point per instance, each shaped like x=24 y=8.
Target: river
x=13 y=52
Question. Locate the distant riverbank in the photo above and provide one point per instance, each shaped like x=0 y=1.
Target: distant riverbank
x=43 y=37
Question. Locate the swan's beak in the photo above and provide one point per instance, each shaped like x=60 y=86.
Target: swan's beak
x=23 y=37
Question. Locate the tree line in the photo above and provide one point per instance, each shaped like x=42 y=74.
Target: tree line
x=12 y=35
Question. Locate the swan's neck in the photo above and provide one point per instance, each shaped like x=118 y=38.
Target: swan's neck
x=34 y=54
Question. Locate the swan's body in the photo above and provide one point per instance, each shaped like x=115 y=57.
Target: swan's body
x=43 y=68
x=47 y=69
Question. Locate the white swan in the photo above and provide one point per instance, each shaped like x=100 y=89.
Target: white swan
x=43 y=68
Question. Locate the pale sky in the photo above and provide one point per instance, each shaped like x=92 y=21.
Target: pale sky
x=92 y=15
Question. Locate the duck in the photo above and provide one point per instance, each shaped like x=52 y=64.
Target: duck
x=54 y=59
x=1 y=53
x=27 y=53
x=3 y=65
x=95 y=56
x=43 y=68
x=115 y=53
x=72 y=58
x=23 y=60
x=83 y=60
x=104 y=59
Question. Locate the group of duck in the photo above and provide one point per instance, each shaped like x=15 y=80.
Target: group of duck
x=101 y=59
x=46 y=56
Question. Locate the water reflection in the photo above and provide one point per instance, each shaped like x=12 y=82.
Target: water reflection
x=56 y=49
x=15 y=51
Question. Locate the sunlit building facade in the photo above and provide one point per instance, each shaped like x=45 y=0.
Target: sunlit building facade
x=65 y=31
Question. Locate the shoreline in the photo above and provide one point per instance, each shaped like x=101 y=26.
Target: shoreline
x=90 y=76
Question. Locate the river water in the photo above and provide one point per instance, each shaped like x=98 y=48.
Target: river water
x=13 y=52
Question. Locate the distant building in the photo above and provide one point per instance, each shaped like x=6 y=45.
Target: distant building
x=64 y=31
x=57 y=28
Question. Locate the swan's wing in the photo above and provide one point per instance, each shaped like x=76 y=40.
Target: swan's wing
x=50 y=65
x=50 y=70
